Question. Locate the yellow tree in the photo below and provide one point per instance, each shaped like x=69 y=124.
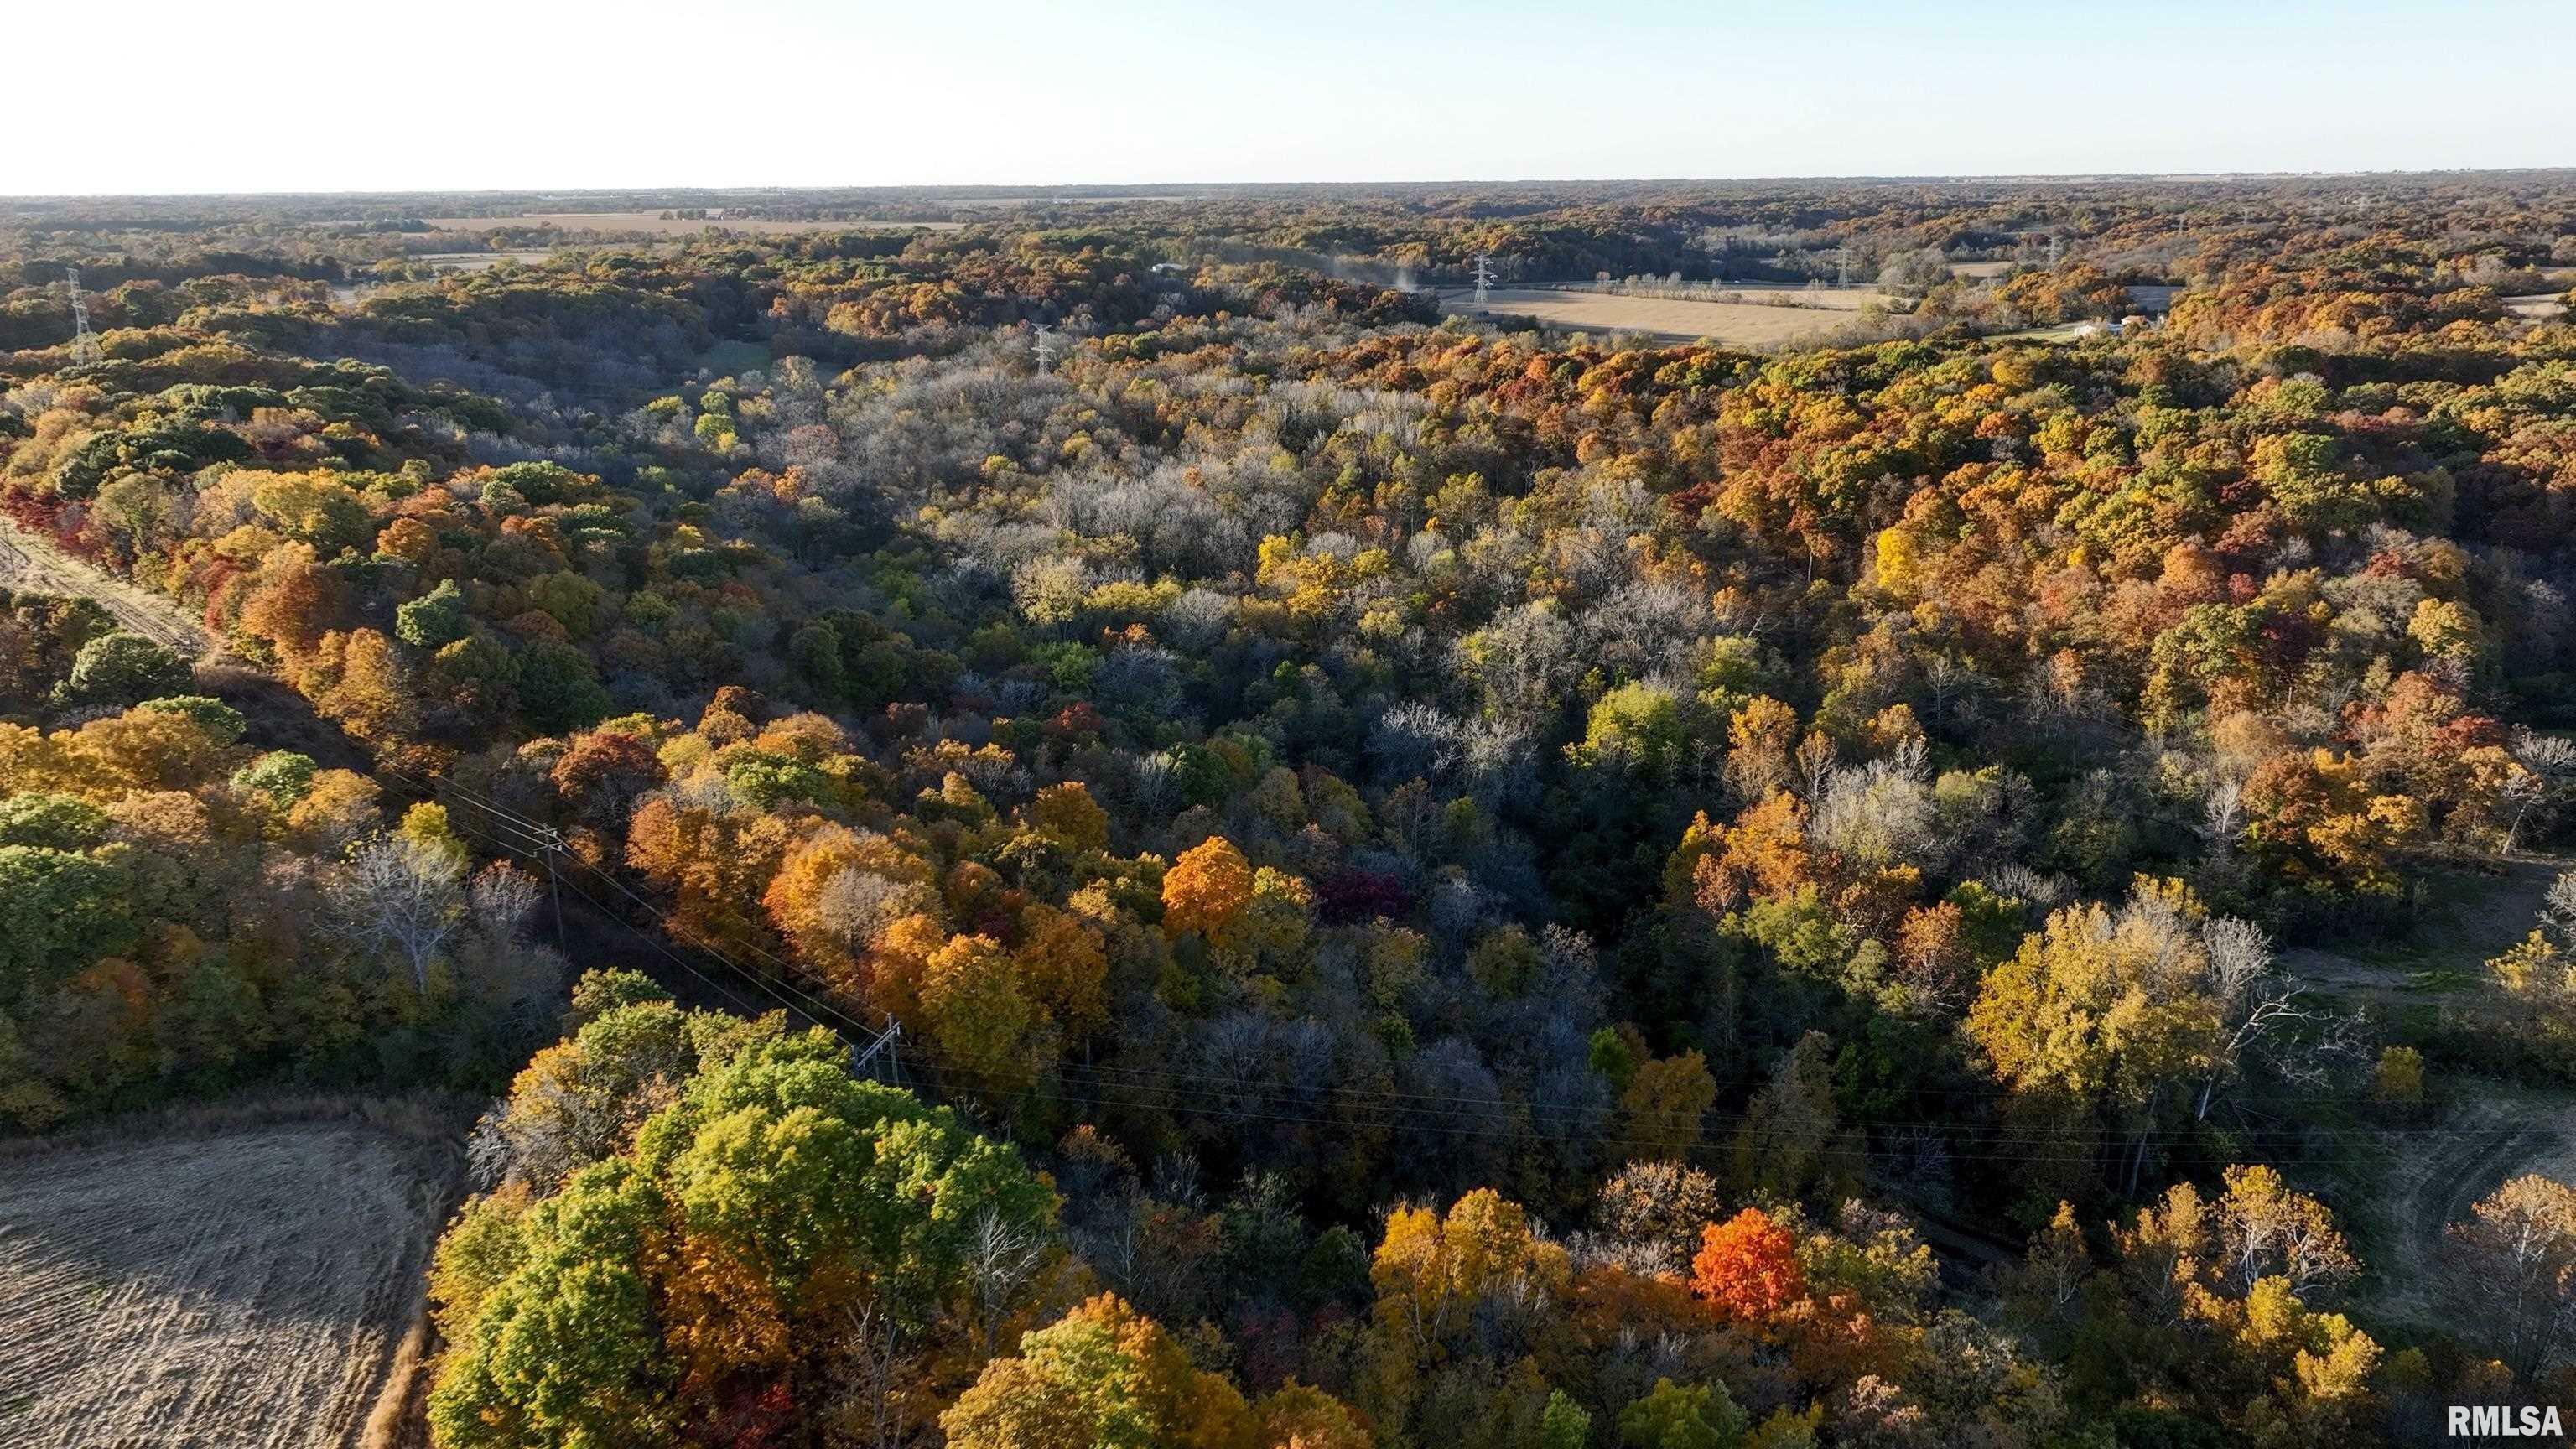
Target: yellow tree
x=976 y=1012
x=1430 y=1271
x=2107 y=1010
x=1102 y=1377
x=1206 y=891
x=1064 y=964
x=1665 y=1103
x=835 y=889
x=1067 y=815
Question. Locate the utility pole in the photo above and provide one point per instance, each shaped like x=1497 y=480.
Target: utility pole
x=549 y=842
x=861 y=1056
x=1484 y=276
x=1044 y=347
x=84 y=342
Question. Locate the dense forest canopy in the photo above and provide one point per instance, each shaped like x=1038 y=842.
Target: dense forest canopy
x=1227 y=860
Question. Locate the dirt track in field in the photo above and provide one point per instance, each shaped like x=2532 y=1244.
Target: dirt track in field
x=33 y=562
x=240 y=1290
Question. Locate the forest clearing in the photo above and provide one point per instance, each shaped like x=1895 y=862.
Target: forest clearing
x=1729 y=324
x=242 y=1288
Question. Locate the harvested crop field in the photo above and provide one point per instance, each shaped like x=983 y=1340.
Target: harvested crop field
x=660 y=225
x=251 y=1287
x=1734 y=324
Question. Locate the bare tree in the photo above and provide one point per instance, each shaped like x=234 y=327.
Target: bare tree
x=871 y=1393
x=2514 y=1272
x=503 y=897
x=399 y=897
x=1950 y=682
x=855 y=904
x=1001 y=1257
x=2548 y=768
x=1881 y=813
x=488 y=1152
x=2223 y=818
x=2239 y=956
x=2558 y=906
x=2264 y=1012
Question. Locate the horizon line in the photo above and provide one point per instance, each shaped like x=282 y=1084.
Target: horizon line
x=964 y=187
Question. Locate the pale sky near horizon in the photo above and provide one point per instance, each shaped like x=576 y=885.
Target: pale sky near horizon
x=156 y=96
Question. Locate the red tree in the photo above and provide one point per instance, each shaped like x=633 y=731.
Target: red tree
x=1747 y=1267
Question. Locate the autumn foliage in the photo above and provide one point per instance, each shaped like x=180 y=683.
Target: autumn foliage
x=1746 y=1268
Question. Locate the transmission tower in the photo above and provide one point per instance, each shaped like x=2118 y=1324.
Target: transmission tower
x=1044 y=347
x=84 y=342
x=1484 y=276
x=1842 y=256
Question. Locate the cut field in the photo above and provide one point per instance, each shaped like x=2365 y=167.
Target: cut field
x=1732 y=324
x=659 y=225
x=252 y=1287
x=480 y=261
x=2402 y=1183
x=2428 y=1176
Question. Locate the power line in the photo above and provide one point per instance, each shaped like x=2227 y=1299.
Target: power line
x=812 y=999
x=85 y=347
x=541 y=838
x=1231 y=1097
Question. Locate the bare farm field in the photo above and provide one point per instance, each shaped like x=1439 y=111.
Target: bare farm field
x=1733 y=324
x=248 y=1287
x=659 y=225
x=2492 y=1134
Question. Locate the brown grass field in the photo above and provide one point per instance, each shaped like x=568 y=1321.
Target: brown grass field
x=254 y=1286
x=657 y=225
x=1732 y=324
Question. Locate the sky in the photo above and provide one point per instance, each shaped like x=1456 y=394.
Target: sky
x=153 y=96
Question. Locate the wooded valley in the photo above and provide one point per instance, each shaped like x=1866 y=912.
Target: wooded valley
x=1087 y=819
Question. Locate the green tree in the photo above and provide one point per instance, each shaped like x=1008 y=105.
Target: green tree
x=559 y=690
x=435 y=619
x=1702 y=1416
x=122 y=668
x=1563 y=1424
x=726 y=1249
x=58 y=913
